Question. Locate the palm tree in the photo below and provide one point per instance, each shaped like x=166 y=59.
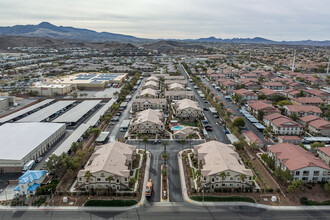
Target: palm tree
x=139 y=135
x=243 y=177
x=165 y=143
x=145 y=141
x=165 y=157
x=109 y=179
x=88 y=175
x=183 y=142
x=222 y=175
x=116 y=94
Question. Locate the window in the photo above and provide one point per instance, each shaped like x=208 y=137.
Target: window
x=204 y=178
x=316 y=173
x=231 y=178
x=98 y=179
x=117 y=180
x=306 y=173
x=297 y=173
x=304 y=178
x=102 y=174
x=231 y=184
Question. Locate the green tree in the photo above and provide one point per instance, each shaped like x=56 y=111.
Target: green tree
x=190 y=140
x=260 y=115
x=88 y=175
x=139 y=135
x=243 y=177
x=294 y=116
x=164 y=143
x=74 y=147
x=284 y=102
x=239 y=122
x=327 y=187
x=317 y=144
x=262 y=96
x=132 y=181
x=145 y=141
x=110 y=178
x=222 y=175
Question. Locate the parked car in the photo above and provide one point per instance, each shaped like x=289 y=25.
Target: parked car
x=38 y=159
x=118 y=113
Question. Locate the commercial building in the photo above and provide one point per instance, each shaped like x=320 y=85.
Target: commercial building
x=51 y=89
x=89 y=81
x=301 y=163
x=215 y=158
x=21 y=142
x=112 y=159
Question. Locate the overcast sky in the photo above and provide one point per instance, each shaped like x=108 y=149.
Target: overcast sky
x=272 y=19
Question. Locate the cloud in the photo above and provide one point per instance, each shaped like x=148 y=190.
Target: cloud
x=278 y=20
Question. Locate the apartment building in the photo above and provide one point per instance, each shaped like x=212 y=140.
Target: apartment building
x=286 y=126
x=148 y=122
x=324 y=154
x=144 y=104
x=176 y=87
x=179 y=95
x=316 y=101
x=148 y=93
x=188 y=109
x=302 y=163
x=112 y=159
x=320 y=127
x=151 y=85
x=273 y=85
x=215 y=158
x=246 y=95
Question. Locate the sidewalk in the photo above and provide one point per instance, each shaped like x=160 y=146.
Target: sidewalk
x=255 y=205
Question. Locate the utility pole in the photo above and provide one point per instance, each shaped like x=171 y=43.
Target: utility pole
x=328 y=65
x=294 y=59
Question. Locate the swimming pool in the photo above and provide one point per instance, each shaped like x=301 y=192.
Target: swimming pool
x=177 y=128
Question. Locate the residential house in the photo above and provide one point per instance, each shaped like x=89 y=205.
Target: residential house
x=169 y=82
x=215 y=158
x=269 y=92
x=320 y=127
x=179 y=95
x=29 y=182
x=251 y=137
x=246 y=95
x=261 y=105
x=188 y=109
x=317 y=93
x=289 y=139
x=114 y=159
x=291 y=93
x=286 y=126
x=227 y=83
x=273 y=85
x=144 y=104
x=250 y=76
x=301 y=163
x=316 y=101
x=303 y=110
x=148 y=122
x=307 y=119
x=269 y=118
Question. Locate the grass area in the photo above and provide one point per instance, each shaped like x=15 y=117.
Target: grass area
x=305 y=201
x=223 y=199
x=110 y=203
x=192 y=124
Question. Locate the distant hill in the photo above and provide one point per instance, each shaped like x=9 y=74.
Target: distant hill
x=21 y=41
x=48 y=30
x=259 y=40
x=168 y=46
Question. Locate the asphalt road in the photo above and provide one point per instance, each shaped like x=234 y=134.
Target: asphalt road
x=233 y=106
x=217 y=132
x=170 y=212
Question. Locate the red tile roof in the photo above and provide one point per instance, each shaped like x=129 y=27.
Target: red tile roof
x=304 y=108
x=285 y=123
x=309 y=118
x=253 y=137
x=295 y=157
x=325 y=150
x=307 y=100
x=320 y=124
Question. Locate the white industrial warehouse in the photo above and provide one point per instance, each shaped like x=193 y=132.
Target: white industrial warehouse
x=21 y=142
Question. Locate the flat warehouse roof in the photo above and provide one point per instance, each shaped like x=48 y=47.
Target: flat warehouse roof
x=23 y=111
x=66 y=145
x=19 y=139
x=77 y=112
x=46 y=112
x=92 y=121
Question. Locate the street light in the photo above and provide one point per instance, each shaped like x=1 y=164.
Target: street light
x=203 y=191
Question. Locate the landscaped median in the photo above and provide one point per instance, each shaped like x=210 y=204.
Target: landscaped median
x=223 y=199
x=114 y=203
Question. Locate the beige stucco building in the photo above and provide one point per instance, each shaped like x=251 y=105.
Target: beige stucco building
x=144 y=104
x=179 y=95
x=188 y=109
x=148 y=93
x=112 y=159
x=215 y=158
x=148 y=122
